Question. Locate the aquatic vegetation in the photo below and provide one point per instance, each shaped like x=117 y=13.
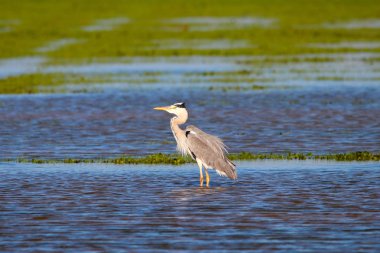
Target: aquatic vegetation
x=86 y=31
x=355 y=24
x=151 y=159
x=40 y=82
x=175 y=159
x=353 y=156
x=28 y=83
x=158 y=158
x=122 y=28
x=239 y=88
x=353 y=44
x=375 y=60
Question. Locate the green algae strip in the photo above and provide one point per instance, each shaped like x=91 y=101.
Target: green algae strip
x=175 y=159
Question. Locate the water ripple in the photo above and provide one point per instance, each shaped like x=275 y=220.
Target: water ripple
x=111 y=124
x=275 y=206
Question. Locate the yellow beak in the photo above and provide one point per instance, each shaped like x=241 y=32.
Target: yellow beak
x=163 y=108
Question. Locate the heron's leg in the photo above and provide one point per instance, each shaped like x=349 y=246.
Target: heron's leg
x=200 y=172
x=207 y=178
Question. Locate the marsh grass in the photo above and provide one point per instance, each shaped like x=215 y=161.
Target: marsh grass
x=175 y=159
x=45 y=21
x=30 y=83
x=238 y=88
x=28 y=25
x=63 y=83
x=40 y=83
x=298 y=22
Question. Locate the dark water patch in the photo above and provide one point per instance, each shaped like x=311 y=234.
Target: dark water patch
x=274 y=206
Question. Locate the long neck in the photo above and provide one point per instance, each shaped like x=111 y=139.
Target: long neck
x=178 y=133
x=180 y=119
x=176 y=121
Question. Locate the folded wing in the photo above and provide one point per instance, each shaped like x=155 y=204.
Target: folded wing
x=210 y=150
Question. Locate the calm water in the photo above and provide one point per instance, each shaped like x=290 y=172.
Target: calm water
x=312 y=105
x=274 y=206
x=116 y=122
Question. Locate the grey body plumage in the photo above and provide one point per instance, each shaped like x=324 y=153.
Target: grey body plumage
x=209 y=151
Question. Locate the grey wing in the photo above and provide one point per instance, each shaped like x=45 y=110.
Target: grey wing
x=213 y=142
x=210 y=150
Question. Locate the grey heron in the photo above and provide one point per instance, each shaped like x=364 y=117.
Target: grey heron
x=207 y=150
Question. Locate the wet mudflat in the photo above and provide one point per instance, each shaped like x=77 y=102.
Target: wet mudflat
x=274 y=206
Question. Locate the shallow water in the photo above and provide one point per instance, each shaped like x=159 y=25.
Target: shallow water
x=20 y=66
x=309 y=105
x=274 y=206
x=119 y=122
x=199 y=44
x=106 y=24
x=57 y=44
x=218 y=23
x=355 y=24
x=347 y=44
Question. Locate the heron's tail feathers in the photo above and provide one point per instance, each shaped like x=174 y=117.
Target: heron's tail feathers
x=225 y=167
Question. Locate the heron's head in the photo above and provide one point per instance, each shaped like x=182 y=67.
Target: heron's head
x=179 y=109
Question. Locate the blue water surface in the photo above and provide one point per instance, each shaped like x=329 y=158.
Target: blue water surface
x=273 y=207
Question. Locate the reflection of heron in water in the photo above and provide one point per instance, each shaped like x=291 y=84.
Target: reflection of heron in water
x=208 y=150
